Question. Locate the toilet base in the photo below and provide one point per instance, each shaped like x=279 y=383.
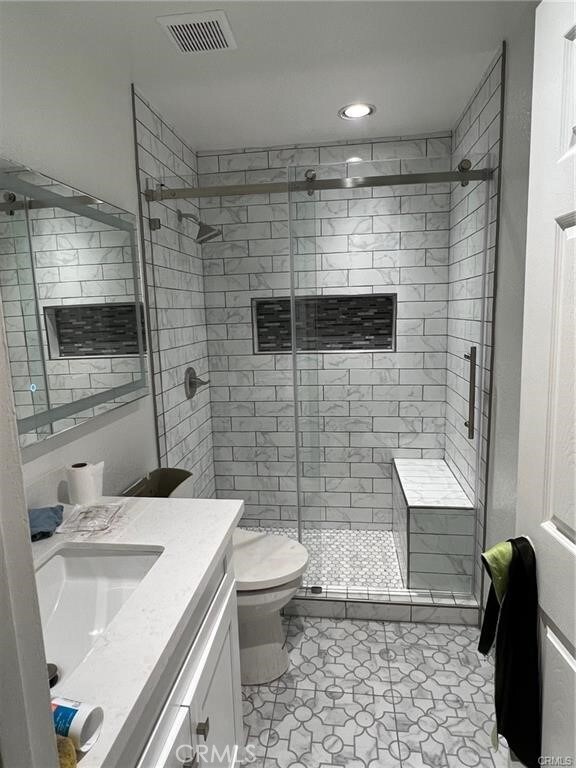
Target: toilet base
x=263 y=657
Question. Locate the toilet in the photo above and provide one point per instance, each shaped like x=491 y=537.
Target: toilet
x=268 y=570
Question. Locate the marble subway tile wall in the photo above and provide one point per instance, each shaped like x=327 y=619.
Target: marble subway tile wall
x=358 y=410
x=473 y=217
x=75 y=260
x=19 y=309
x=81 y=261
x=173 y=263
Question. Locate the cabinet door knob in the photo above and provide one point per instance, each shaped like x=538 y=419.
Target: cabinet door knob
x=192 y=763
x=202 y=729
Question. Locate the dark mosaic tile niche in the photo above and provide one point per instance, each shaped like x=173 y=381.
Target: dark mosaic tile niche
x=90 y=330
x=326 y=323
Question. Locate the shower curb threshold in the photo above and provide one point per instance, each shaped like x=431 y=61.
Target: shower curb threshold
x=434 y=609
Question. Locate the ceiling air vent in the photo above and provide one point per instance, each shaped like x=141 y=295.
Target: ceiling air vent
x=199 y=32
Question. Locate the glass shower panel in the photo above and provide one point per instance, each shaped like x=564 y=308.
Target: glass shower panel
x=470 y=307
x=305 y=260
x=380 y=300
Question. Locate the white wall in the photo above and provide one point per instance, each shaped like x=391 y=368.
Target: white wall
x=65 y=102
x=121 y=438
x=65 y=110
x=501 y=507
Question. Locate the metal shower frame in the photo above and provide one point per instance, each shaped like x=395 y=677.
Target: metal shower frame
x=311 y=184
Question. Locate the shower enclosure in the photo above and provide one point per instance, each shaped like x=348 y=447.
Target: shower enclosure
x=345 y=363
x=390 y=294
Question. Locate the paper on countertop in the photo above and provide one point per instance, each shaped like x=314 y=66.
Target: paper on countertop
x=90 y=517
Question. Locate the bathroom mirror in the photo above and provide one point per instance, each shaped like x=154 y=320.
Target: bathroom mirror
x=71 y=298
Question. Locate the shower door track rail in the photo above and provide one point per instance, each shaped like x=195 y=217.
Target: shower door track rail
x=314 y=185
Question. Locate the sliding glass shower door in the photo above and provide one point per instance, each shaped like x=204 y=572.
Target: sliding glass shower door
x=305 y=266
x=390 y=287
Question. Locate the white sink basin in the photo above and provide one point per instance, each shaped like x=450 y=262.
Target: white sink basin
x=81 y=587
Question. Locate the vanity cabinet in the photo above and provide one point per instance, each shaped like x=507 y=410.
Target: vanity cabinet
x=201 y=723
x=168 y=746
x=213 y=708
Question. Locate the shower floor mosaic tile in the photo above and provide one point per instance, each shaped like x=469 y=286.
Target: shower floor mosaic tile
x=347 y=558
x=365 y=694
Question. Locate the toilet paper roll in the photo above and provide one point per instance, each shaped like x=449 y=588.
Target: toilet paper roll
x=84 y=482
x=81 y=722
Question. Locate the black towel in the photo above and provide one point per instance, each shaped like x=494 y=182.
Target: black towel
x=514 y=623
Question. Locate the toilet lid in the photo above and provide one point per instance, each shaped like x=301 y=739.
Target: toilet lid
x=262 y=561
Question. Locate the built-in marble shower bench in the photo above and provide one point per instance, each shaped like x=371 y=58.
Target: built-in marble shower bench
x=433 y=524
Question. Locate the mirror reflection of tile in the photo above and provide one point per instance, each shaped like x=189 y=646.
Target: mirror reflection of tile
x=62 y=260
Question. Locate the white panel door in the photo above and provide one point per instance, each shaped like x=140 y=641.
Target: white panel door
x=547 y=467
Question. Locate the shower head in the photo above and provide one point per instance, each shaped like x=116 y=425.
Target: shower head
x=205 y=231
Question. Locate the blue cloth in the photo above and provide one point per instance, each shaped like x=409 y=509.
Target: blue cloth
x=44 y=521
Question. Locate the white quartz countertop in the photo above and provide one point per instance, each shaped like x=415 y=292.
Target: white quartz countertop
x=430 y=483
x=129 y=659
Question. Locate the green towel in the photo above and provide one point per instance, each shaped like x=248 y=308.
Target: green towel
x=497 y=559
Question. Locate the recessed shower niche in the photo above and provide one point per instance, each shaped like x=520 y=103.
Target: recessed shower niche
x=325 y=323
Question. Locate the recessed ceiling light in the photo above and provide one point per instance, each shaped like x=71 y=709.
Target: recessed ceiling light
x=356 y=111
x=354 y=160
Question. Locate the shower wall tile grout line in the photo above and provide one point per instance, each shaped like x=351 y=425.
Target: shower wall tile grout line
x=367 y=413
x=173 y=263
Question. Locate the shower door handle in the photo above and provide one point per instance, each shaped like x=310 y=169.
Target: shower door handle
x=471 y=357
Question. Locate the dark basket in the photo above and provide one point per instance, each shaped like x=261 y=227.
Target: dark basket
x=159 y=483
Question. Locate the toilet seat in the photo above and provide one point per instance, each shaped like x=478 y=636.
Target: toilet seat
x=262 y=561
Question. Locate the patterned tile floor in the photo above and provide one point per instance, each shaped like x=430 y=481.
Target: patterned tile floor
x=347 y=558
x=364 y=694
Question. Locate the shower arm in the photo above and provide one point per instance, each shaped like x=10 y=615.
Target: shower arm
x=464 y=175
x=181 y=215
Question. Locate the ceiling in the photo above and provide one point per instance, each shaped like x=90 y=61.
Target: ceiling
x=298 y=62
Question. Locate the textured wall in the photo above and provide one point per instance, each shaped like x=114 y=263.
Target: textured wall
x=472 y=230
x=173 y=264
x=358 y=409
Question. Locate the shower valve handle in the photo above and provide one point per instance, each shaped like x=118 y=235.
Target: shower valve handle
x=192 y=382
